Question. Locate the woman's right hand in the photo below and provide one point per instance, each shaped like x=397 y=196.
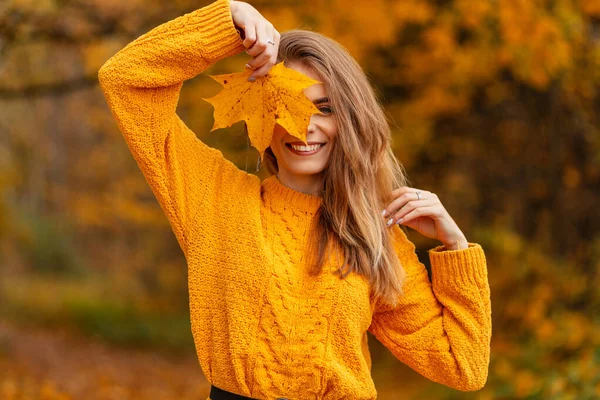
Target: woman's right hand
x=257 y=33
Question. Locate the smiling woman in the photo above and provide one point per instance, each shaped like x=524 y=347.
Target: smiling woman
x=301 y=166
x=287 y=275
x=354 y=172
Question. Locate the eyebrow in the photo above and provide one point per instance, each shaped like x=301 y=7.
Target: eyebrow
x=321 y=100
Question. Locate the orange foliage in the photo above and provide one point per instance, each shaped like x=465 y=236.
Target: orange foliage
x=493 y=106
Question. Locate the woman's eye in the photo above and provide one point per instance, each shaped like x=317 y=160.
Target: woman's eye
x=325 y=110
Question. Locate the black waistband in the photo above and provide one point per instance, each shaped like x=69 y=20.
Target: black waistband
x=220 y=394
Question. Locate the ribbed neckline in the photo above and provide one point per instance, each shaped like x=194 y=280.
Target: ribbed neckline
x=285 y=197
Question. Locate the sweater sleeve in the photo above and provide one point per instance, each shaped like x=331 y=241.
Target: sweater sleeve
x=441 y=328
x=141 y=84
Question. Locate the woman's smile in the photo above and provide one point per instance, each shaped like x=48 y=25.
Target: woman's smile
x=301 y=149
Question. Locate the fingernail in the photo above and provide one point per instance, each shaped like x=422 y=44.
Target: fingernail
x=384 y=213
x=251 y=79
x=400 y=221
x=390 y=221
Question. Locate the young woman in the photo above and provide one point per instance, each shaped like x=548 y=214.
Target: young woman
x=287 y=275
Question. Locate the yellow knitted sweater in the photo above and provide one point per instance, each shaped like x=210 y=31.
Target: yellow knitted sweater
x=262 y=326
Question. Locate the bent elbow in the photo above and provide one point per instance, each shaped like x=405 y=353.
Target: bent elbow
x=471 y=380
x=474 y=384
x=472 y=370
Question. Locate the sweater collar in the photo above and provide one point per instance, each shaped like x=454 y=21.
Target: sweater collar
x=285 y=197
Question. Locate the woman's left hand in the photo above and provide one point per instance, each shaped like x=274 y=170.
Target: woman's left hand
x=423 y=211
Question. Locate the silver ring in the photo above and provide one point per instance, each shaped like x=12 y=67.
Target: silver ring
x=418 y=196
x=271 y=41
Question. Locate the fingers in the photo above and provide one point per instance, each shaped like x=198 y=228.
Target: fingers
x=405 y=201
x=402 y=196
x=260 y=43
x=264 y=52
x=268 y=57
x=406 y=189
x=260 y=38
x=411 y=210
x=250 y=32
x=431 y=210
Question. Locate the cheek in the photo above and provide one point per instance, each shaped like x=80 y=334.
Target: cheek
x=330 y=129
x=332 y=134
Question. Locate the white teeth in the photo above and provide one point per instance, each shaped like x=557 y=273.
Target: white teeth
x=306 y=148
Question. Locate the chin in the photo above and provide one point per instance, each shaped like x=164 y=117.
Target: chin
x=306 y=170
x=301 y=166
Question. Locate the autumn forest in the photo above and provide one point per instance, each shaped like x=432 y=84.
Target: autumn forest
x=493 y=105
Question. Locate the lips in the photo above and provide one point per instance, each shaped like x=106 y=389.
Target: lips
x=305 y=153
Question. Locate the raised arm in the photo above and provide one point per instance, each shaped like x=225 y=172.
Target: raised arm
x=142 y=83
x=441 y=330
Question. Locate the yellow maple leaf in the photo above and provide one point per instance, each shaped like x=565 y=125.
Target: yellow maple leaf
x=275 y=98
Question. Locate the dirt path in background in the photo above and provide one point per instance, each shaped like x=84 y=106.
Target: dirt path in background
x=52 y=364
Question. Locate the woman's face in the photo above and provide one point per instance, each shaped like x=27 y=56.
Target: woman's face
x=294 y=159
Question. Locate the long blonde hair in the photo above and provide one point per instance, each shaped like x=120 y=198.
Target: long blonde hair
x=362 y=170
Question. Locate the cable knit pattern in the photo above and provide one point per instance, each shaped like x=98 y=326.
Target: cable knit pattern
x=263 y=327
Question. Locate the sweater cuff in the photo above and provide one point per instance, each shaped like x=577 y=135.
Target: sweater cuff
x=221 y=38
x=458 y=267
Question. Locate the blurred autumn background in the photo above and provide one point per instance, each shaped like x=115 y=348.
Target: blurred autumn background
x=494 y=106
